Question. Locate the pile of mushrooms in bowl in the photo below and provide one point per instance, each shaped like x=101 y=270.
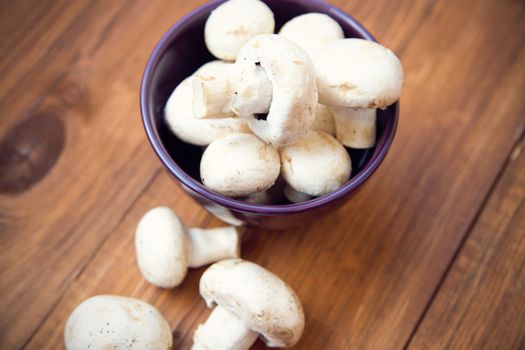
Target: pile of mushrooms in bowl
x=272 y=119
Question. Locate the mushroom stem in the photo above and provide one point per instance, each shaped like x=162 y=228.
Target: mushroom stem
x=212 y=91
x=223 y=330
x=355 y=127
x=210 y=245
x=253 y=93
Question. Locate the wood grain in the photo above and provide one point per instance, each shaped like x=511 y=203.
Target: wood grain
x=481 y=305
x=365 y=274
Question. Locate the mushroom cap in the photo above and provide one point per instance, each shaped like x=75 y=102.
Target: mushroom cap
x=239 y=165
x=294 y=90
x=160 y=242
x=316 y=165
x=235 y=22
x=312 y=31
x=201 y=132
x=324 y=120
x=358 y=73
x=113 y=322
x=261 y=299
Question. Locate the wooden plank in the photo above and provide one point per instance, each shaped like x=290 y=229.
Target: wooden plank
x=77 y=65
x=481 y=304
x=364 y=274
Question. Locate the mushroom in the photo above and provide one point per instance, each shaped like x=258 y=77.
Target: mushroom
x=235 y=22
x=356 y=127
x=239 y=165
x=250 y=302
x=294 y=92
x=295 y=196
x=165 y=250
x=113 y=322
x=312 y=32
x=316 y=165
x=356 y=73
x=201 y=132
x=324 y=120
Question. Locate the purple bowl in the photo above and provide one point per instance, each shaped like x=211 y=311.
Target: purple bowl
x=178 y=54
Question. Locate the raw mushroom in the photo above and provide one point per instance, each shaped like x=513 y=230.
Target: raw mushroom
x=295 y=196
x=356 y=127
x=356 y=73
x=165 y=250
x=250 y=302
x=239 y=165
x=200 y=132
x=316 y=165
x=312 y=32
x=294 y=92
x=324 y=120
x=235 y=22
x=112 y=322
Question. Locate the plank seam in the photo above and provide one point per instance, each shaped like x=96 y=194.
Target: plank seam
x=508 y=160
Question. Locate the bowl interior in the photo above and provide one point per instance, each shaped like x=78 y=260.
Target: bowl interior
x=182 y=50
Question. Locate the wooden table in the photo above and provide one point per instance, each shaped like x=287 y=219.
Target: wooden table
x=429 y=255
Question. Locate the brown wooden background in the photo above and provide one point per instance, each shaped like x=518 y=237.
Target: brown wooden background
x=430 y=255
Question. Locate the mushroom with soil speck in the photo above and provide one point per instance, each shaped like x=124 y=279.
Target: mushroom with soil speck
x=165 y=249
x=251 y=302
x=113 y=322
x=316 y=165
x=233 y=23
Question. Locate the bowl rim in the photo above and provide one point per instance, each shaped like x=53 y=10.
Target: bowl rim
x=187 y=181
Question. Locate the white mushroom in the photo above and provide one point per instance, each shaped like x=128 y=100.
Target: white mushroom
x=165 y=251
x=358 y=73
x=324 y=120
x=356 y=127
x=239 y=165
x=235 y=22
x=294 y=93
x=200 y=132
x=250 y=302
x=112 y=322
x=312 y=32
x=295 y=196
x=262 y=197
x=316 y=165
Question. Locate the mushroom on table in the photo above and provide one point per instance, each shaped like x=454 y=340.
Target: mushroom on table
x=114 y=322
x=165 y=249
x=250 y=302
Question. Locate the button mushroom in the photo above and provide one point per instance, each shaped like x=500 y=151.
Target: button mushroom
x=250 y=302
x=239 y=165
x=316 y=165
x=312 y=32
x=294 y=92
x=165 y=250
x=112 y=322
x=295 y=196
x=201 y=132
x=356 y=73
x=235 y=22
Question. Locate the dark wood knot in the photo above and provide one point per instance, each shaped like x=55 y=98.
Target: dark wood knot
x=29 y=150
